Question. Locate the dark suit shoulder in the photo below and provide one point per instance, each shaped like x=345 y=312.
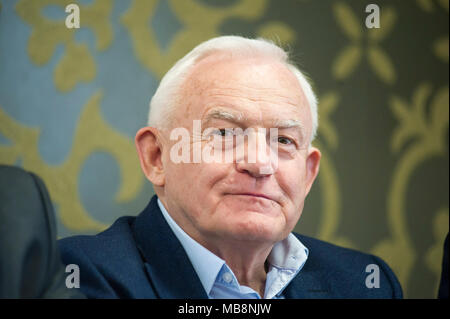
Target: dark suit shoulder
x=116 y=246
x=322 y=249
x=111 y=243
x=350 y=273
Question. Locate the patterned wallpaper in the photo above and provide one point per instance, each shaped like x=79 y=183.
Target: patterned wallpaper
x=71 y=101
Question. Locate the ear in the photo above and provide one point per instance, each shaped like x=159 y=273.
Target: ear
x=312 y=167
x=149 y=148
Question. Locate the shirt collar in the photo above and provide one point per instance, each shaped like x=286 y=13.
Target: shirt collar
x=205 y=263
x=286 y=260
x=287 y=256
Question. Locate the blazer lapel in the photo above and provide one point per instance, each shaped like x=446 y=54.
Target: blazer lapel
x=168 y=267
x=307 y=285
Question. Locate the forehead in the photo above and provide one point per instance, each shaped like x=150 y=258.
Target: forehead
x=258 y=86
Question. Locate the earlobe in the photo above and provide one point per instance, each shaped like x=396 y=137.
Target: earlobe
x=312 y=167
x=149 y=150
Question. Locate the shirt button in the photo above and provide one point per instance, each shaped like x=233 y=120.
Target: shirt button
x=227 y=277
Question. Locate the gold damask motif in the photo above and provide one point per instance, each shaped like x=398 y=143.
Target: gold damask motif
x=200 y=24
x=440 y=45
x=440 y=48
x=92 y=134
x=277 y=31
x=328 y=179
x=433 y=258
x=428 y=5
x=349 y=58
x=330 y=199
x=77 y=64
x=428 y=135
x=327 y=130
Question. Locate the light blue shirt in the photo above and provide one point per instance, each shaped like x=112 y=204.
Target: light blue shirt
x=285 y=261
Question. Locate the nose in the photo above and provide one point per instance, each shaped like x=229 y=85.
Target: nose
x=256 y=158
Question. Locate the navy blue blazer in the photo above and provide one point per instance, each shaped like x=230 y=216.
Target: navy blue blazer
x=140 y=257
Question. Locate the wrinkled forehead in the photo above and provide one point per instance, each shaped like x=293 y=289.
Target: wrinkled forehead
x=222 y=70
x=246 y=81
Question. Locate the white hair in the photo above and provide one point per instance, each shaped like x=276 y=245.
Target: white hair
x=165 y=99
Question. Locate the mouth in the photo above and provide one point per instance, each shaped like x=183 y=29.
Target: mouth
x=254 y=202
x=259 y=202
x=257 y=195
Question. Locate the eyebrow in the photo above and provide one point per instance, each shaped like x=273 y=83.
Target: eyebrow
x=238 y=117
x=221 y=114
x=289 y=124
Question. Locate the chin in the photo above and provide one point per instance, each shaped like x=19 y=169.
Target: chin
x=256 y=228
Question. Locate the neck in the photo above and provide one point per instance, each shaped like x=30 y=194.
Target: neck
x=248 y=262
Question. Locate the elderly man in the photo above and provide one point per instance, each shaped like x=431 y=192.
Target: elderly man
x=220 y=225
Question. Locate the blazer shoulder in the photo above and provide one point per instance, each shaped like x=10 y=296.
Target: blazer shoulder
x=103 y=259
x=320 y=247
x=112 y=241
x=346 y=266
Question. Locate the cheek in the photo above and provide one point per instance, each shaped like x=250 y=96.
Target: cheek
x=179 y=185
x=177 y=175
x=291 y=178
x=193 y=183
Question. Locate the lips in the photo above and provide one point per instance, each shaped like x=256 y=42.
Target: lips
x=255 y=195
x=260 y=202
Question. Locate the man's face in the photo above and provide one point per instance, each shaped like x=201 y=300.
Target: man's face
x=239 y=199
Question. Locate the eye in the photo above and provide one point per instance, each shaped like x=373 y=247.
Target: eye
x=224 y=132
x=285 y=140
